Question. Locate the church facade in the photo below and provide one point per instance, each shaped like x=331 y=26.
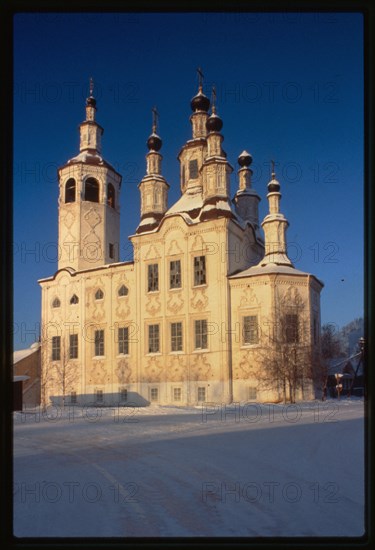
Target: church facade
x=209 y=310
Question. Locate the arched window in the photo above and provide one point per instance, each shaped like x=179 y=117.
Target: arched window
x=70 y=190
x=123 y=291
x=91 y=190
x=99 y=294
x=111 y=195
x=56 y=303
x=74 y=299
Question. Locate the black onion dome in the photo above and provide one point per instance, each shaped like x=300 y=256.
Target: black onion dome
x=214 y=123
x=154 y=142
x=91 y=101
x=273 y=186
x=245 y=159
x=200 y=102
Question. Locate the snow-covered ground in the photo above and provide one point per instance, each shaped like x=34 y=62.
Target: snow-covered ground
x=240 y=470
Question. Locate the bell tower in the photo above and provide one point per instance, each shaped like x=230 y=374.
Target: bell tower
x=89 y=192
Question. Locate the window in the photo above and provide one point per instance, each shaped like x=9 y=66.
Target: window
x=175 y=274
x=123 y=394
x=154 y=394
x=99 y=342
x=91 y=190
x=176 y=336
x=74 y=299
x=250 y=333
x=123 y=340
x=252 y=393
x=56 y=303
x=153 y=339
x=99 y=294
x=193 y=169
x=56 y=348
x=99 y=396
x=199 y=270
x=111 y=251
x=111 y=195
x=153 y=277
x=73 y=398
x=70 y=190
x=201 y=394
x=177 y=394
x=123 y=291
x=291 y=328
x=201 y=340
x=73 y=346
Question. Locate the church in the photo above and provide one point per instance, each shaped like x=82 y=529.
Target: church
x=210 y=309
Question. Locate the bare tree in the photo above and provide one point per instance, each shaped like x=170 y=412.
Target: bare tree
x=286 y=356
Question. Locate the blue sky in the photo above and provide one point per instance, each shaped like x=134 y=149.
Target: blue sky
x=289 y=88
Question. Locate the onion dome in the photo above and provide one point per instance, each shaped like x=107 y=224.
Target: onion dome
x=91 y=101
x=273 y=185
x=200 y=102
x=214 y=123
x=154 y=142
x=245 y=159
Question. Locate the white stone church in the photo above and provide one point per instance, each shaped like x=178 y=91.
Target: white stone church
x=207 y=304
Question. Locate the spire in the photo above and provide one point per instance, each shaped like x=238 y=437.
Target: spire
x=91 y=102
x=153 y=186
x=214 y=122
x=275 y=225
x=154 y=142
x=200 y=102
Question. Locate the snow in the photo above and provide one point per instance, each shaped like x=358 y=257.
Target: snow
x=213 y=470
x=190 y=200
x=23 y=353
x=269 y=268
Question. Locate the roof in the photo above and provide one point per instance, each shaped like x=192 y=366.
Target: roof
x=23 y=353
x=268 y=269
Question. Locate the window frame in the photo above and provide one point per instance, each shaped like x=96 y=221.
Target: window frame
x=123 y=341
x=288 y=337
x=73 y=347
x=252 y=341
x=197 y=271
x=151 y=338
x=99 y=343
x=120 y=290
x=199 y=391
x=56 y=302
x=179 y=389
x=176 y=340
x=177 y=274
x=202 y=334
x=95 y=189
x=100 y=293
x=70 y=191
x=56 y=348
x=151 y=278
x=152 y=390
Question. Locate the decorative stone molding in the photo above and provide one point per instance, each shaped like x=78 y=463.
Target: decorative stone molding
x=292 y=297
x=124 y=372
x=248 y=298
x=176 y=369
x=174 y=248
x=175 y=302
x=153 y=370
x=200 y=368
x=153 y=305
x=97 y=373
x=199 y=300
